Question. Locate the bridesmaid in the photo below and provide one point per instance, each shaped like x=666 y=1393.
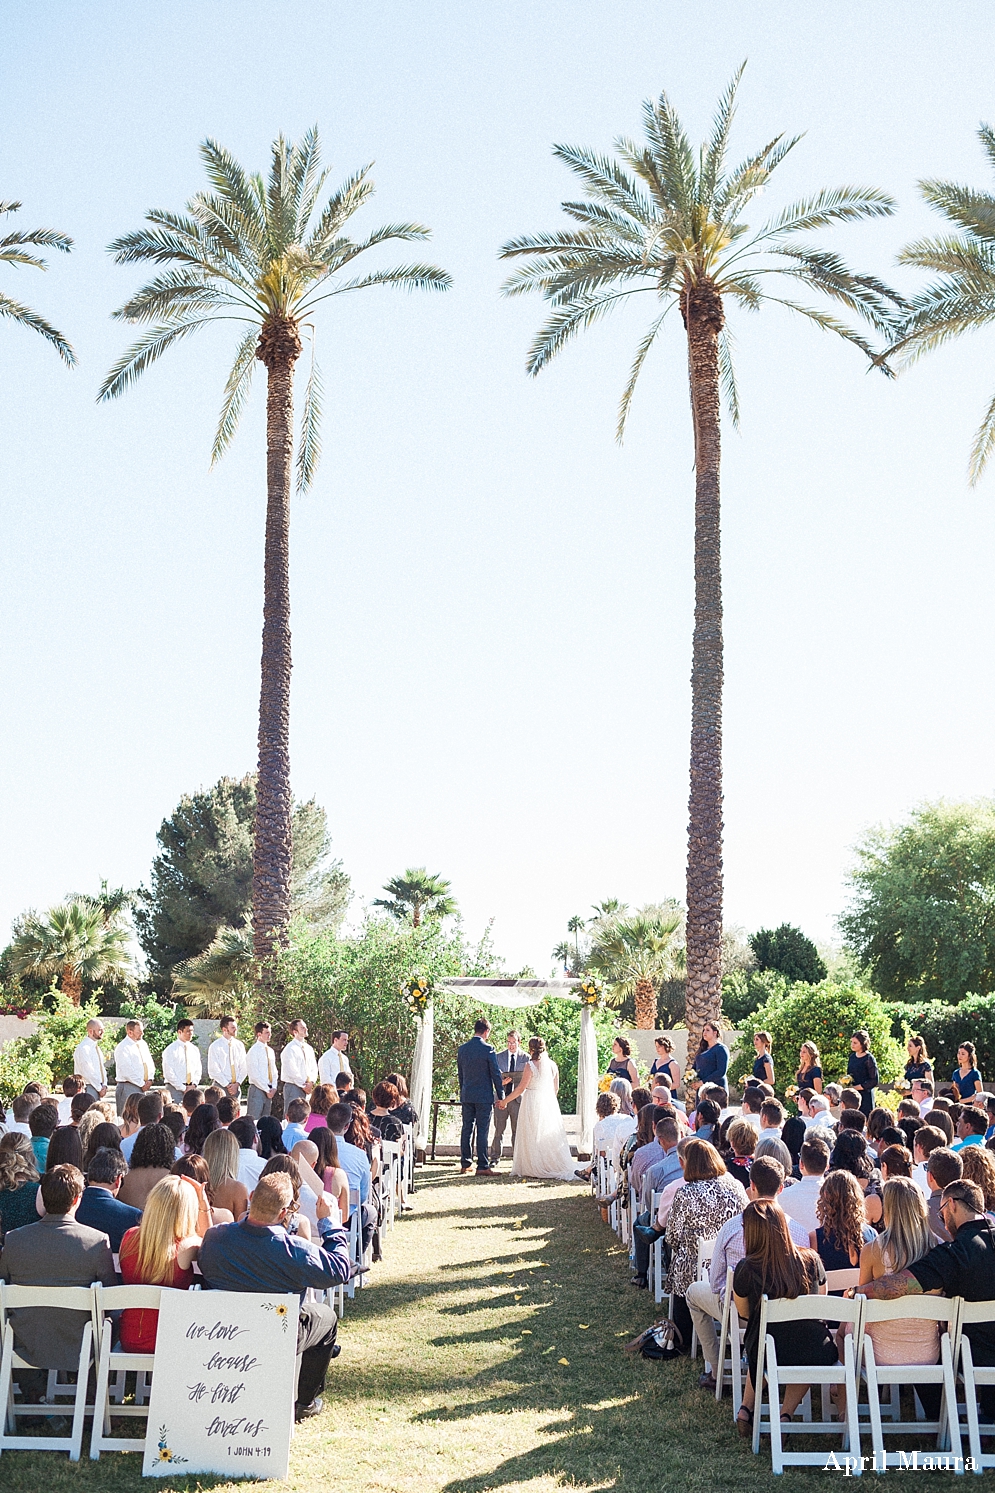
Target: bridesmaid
x=965 y=1078
x=621 y=1065
x=763 y=1063
x=809 y=1075
x=665 y=1062
x=918 y=1065
x=711 y=1062
x=862 y=1070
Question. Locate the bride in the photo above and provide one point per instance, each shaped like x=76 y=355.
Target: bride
x=541 y=1145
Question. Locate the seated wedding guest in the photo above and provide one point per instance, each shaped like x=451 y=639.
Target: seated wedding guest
x=850 y=1155
x=905 y=1239
x=843 y=1228
x=321 y=1099
x=79 y=1106
x=294 y=1128
x=853 y=1119
x=54 y=1251
x=943 y=1167
x=127 y=1118
x=100 y=1206
x=258 y=1255
x=175 y=1123
x=940 y=1119
x=772 y=1266
x=971 y=1128
x=19 y=1113
x=64 y=1148
x=834 y=1094
x=405 y=1111
x=343 y=1083
x=646 y=1147
x=70 y=1088
x=922 y=1093
x=706 y=1119
x=326 y=1165
x=221 y=1154
x=227 y=1109
x=43 y=1122
x=196 y=1169
x=203 y=1122
x=818 y=1117
x=741 y=1139
x=606 y=1108
x=979 y=1167
x=705 y=1298
x=659 y=1174
x=160 y=1252
x=990 y=1111
x=250 y=1163
x=794 y=1132
x=878 y=1121
x=212 y=1094
x=894 y=1161
x=191 y=1099
x=18 y=1182
x=927 y=1140
x=385 y=1100
x=302 y=1211
x=753 y=1101
x=356 y=1165
x=708 y=1198
x=799 y=1201
x=908 y=1125
x=270 y=1137
x=151 y=1160
x=908 y=1109
x=149 y=1109
x=771 y=1146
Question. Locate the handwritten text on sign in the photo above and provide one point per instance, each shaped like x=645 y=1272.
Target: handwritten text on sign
x=223 y=1385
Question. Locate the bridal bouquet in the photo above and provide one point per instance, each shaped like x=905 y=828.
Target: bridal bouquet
x=416 y=993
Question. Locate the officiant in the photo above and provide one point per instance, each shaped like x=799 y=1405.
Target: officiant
x=510 y=1062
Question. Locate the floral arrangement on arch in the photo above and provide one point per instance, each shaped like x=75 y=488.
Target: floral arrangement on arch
x=590 y=994
x=416 y=992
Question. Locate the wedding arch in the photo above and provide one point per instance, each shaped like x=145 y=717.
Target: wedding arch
x=514 y=995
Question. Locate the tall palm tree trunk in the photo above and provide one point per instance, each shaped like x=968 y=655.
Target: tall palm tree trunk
x=703 y=318
x=645 y=1002
x=279 y=348
x=72 y=983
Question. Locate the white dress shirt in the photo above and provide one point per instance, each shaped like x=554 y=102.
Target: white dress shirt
x=298 y=1064
x=133 y=1062
x=262 y=1066
x=65 y=1111
x=88 y=1062
x=226 y=1062
x=799 y=1201
x=331 y=1064
x=250 y=1164
x=181 y=1064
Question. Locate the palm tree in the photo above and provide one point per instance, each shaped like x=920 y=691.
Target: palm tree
x=417 y=894
x=576 y=926
x=660 y=220
x=224 y=968
x=561 y=954
x=963 y=298
x=13 y=250
x=74 y=942
x=265 y=255
x=633 y=955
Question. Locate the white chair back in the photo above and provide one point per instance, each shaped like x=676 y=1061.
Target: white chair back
x=938 y=1370
x=55 y=1298
x=974 y=1375
x=830 y=1310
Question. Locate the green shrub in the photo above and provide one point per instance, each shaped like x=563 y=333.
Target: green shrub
x=24 y=1060
x=825 y=1014
x=944 y=1026
x=744 y=990
x=64 y=1027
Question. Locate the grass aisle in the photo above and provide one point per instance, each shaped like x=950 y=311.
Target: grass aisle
x=488 y=1355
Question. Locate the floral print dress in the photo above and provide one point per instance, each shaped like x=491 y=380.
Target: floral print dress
x=698 y=1212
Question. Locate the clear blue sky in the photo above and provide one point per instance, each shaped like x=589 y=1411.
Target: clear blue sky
x=491 y=601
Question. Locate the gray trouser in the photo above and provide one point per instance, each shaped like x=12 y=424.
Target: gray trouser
x=123 y=1092
x=501 y=1118
x=290 y=1093
x=706 y=1309
x=93 y=1093
x=177 y=1094
x=257 y=1104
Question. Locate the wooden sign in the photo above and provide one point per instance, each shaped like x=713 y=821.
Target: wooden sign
x=223 y=1385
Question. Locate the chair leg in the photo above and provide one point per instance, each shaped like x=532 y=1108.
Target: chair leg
x=7 y=1381
x=873 y=1399
x=79 y=1409
x=852 y=1412
x=774 y=1403
x=101 y=1400
x=948 y=1402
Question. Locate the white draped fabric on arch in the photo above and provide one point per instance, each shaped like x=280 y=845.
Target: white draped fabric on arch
x=513 y=995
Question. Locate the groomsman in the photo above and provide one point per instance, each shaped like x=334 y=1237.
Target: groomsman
x=88 y=1061
x=262 y=1073
x=334 y=1061
x=298 y=1065
x=510 y=1062
x=133 y=1065
x=226 y=1062
x=181 y=1062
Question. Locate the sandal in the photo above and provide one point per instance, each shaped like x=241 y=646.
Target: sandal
x=744 y=1421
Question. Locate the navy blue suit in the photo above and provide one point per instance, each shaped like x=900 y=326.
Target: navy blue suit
x=101 y=1210
x=479 y=1085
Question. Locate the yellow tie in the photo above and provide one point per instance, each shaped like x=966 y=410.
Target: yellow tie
x=231 y=1059
x=269 y=1066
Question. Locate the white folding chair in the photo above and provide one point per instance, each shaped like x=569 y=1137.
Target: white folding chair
x=974 y=1375
x=390 y=1181
x=946 y=1428
x=704 y=1261
x=730 y=1336
x=56 y=1298
x=117 y=1362
x=656 y=1253
x=830 y=1309
x=408 y=1170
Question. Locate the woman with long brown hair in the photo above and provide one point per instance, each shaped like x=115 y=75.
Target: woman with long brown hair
x=843 y=1228
x=772 y=1266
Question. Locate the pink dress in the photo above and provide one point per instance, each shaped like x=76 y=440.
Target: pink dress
x=910 y=1341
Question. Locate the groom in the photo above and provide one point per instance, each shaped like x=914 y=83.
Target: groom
x=479 y=1085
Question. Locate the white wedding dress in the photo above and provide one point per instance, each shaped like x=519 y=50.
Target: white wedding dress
x=541 y=1145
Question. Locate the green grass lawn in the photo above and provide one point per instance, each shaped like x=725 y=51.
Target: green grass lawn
x=487 y=1355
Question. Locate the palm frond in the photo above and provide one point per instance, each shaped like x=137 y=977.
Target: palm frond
x=339 y=208
x=605 y=220
x=668 y=169
x=750 y=177
x=19 y=256
x=984 y=443
x=826 y=271
x=230 y=179
x=634 y=372
x=833 y=324
x=147 y=350
x=407 y=276
x=236 y=393
x=727 y=376
x=833 y=205
x=38 y=238
x=565 y=322
x=938 y=314
x=713 y=155
x=15 y=311
x=161 y=245
x=309 y=444
x=973 y=210
x=606 y=179
x=173 y=293
x=964 y=258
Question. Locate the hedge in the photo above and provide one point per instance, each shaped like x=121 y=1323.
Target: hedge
x=943 y=1027
x=825 y=1014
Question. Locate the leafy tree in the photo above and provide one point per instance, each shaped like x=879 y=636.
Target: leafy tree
x=787 y=950
x=263 y=254
x=633 y=955
x=417 y=895
x=963 y=298
x=201 y=879
x=922 y=919
x=221 y=976
x=72 y=942
x=744 y=990
x=661 y=221
x=14 y=248
x=825 y=1014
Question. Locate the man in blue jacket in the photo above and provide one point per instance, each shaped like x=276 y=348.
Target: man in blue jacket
x=480 y=1083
